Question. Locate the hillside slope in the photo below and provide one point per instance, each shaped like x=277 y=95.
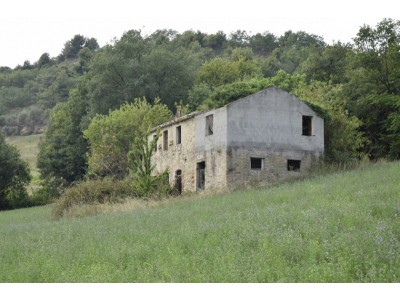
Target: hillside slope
x=338 y=228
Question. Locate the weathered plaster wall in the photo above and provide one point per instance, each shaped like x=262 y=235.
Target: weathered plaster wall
x=218 y=139
x=212 y=148
x=272 y=119
x=268 y=125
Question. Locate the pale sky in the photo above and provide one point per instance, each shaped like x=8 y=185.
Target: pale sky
x=29 y=28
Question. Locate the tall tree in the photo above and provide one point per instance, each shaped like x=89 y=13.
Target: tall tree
x=14 y=176
x=62 y=152
x=328 y=64
x=378 y=55
x=263 y=44
x=73 y=46
x=111 y=137
x=374 y=86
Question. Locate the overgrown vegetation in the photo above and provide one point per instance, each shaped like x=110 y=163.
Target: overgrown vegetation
x=91 y=193
x=112 y=136
x=86 y=96
x=340 y=228
x=14 y=176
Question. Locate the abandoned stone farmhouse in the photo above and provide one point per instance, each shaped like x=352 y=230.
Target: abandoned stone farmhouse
x=268 y=136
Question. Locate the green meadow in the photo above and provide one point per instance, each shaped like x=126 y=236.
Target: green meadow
x=343 y=227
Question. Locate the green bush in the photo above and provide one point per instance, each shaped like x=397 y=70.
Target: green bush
x=92 y=192
x=160 y=188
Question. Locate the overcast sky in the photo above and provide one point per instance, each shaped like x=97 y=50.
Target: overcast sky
x=29 y=28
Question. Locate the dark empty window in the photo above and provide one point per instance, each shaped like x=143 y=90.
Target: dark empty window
x=155 y=145
x=165 y=140
x=209 y=124
x=307 y=125
x=293 y=165
x=256 y=163
x=178 y=135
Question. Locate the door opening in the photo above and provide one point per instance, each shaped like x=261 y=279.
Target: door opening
x=201 y=175
x=178 y=181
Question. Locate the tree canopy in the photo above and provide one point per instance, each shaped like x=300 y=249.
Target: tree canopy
x=14 y=176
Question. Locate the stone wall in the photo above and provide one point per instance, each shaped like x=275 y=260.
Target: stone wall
x=274 y=165
x=267 y=126
x=177 y=156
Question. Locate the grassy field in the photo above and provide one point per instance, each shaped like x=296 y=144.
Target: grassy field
x=337 y=228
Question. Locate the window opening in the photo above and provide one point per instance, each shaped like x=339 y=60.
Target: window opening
x=165 y=140
x=293 y=165
x=178 y=135
x=155 y=145
x=307 y=125
x=201 y=175
x=256 y=163
x=178 y=181
x=209 y=124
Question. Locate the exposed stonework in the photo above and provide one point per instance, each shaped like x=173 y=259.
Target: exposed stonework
x=268 y=136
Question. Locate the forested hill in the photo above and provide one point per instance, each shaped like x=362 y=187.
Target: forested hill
x=196 y=70
x=29 y=91
x=164 y=64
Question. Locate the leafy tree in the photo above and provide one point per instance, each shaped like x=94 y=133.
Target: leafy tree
x=374 y=87
x=111 y=137
x=169 y=74
x=216 y=42
x=54 y=85
x=136 y=67
x=343 y=140
x=239 y=38
x=190 y=37
x=61 y=158
x=85 y=57
x=378 y=55
x=73 y=46
x=263 y=44
x=220 y=71
x=27 y=65
x=300 y=39
x=294 y=48
x=328 y=64
x=44 y=60
x=14 y=176
x=160 y=37
x=381 y=118
x=91 y=44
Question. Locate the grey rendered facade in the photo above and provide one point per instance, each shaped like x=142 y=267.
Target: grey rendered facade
x=264 y=137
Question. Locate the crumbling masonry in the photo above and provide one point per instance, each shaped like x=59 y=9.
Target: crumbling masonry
x=268 y=136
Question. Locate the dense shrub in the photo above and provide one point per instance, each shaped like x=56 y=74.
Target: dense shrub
x=85 y=196
x=92 y=192
x=14 y=177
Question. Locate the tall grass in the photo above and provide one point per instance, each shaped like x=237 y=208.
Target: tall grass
x=343 y=227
